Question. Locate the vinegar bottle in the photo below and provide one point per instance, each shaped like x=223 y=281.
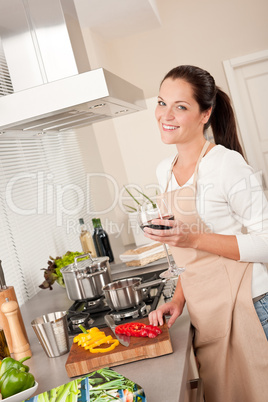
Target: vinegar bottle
x=86 y=240
x=101 y=240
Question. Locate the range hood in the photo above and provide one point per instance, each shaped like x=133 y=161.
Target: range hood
x=47 y=85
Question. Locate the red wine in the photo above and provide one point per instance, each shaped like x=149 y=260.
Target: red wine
x=159 y=227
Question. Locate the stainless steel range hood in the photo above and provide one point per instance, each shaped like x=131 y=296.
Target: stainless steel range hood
x=53 y=86
x=69 y=103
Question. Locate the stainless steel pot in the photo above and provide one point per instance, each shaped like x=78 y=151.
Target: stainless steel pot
x=85 y=279
x=126 y=293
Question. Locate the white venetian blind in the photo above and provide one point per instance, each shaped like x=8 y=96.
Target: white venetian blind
x=42 y=195
x=5 y=80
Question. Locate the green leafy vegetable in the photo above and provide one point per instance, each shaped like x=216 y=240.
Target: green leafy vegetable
x=52 y=272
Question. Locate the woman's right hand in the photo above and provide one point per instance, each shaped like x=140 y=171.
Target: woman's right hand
x=171 y=308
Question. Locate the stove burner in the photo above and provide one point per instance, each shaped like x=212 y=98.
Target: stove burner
x=134 y=312
x=76 y=319
x=91 y=313
x=94 y=303
x=79 y=319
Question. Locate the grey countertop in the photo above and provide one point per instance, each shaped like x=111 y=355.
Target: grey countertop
x=163 y=378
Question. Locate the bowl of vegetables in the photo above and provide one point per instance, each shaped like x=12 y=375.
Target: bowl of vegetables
x=52 y=273
x=21 y=396
x=16 y=381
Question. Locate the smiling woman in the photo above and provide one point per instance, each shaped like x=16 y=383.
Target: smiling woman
x=209 y=190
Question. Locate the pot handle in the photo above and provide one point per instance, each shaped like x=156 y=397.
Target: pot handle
x=101 y=271
x=147 y=284
x=82 y=256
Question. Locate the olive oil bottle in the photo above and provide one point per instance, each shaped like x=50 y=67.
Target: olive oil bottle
x=4 y=350
x=86 y=240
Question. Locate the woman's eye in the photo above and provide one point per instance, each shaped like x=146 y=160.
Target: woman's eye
x=161 y=103
x=182 y=107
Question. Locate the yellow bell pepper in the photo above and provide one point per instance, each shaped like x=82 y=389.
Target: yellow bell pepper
x=92 y=338
x=109 y=340
x=87 y=335
x=99 y=341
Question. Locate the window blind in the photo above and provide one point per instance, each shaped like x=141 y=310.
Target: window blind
x=5 y=80
x=42 y=195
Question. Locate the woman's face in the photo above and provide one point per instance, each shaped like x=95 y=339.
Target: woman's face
x=178 y=114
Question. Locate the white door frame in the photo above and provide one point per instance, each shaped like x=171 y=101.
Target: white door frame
x=229 y=67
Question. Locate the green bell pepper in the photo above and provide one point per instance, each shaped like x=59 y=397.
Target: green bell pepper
x=14 y=381
x=8 y=363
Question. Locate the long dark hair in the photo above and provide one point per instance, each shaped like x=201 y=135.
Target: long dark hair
x=207 y=95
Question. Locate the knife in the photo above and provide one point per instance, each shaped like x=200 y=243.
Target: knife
x=2 y=278
x=123 y=339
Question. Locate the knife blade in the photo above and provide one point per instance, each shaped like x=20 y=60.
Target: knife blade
x=123 y=339
x=2 y=277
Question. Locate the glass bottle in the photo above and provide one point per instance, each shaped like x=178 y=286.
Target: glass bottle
x=101 y=240
x=4 y=350
x=86 y=240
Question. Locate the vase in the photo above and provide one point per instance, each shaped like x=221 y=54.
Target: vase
x=139 y=238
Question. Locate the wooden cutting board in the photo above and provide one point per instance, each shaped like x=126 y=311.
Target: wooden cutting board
x=81 y=361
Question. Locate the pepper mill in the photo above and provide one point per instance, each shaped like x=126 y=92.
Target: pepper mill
x=8 y=292
x=21 y=347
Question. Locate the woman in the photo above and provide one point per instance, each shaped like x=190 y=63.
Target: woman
x=214 y=194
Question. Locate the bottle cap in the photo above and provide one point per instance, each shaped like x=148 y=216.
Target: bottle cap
x=81 y=221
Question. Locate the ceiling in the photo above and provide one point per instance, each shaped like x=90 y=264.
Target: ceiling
x=116 y=18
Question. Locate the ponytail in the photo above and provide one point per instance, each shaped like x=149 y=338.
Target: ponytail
x=223 y=123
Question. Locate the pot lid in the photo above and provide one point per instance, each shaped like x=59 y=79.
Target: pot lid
x=92 y=263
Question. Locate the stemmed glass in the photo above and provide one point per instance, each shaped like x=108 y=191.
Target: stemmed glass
x=146 y=213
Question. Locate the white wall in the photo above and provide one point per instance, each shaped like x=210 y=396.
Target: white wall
x=200 y=32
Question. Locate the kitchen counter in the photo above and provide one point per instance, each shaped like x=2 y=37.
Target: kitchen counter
x=162 y=378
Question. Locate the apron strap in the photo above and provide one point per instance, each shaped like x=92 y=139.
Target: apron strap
x=204 y=150
x=170 y=171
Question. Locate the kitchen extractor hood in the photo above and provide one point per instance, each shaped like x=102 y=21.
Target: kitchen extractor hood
x=48 y=85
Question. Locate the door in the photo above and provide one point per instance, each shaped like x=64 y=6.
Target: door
x=248 y=82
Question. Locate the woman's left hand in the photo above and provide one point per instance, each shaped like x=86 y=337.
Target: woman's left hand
x=179 y=234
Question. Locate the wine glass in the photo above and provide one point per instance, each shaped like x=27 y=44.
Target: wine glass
x=146 y=213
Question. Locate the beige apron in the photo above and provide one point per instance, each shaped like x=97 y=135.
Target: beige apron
x=229 y=341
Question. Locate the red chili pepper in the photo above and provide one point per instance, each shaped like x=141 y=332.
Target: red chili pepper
x=138 y=329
